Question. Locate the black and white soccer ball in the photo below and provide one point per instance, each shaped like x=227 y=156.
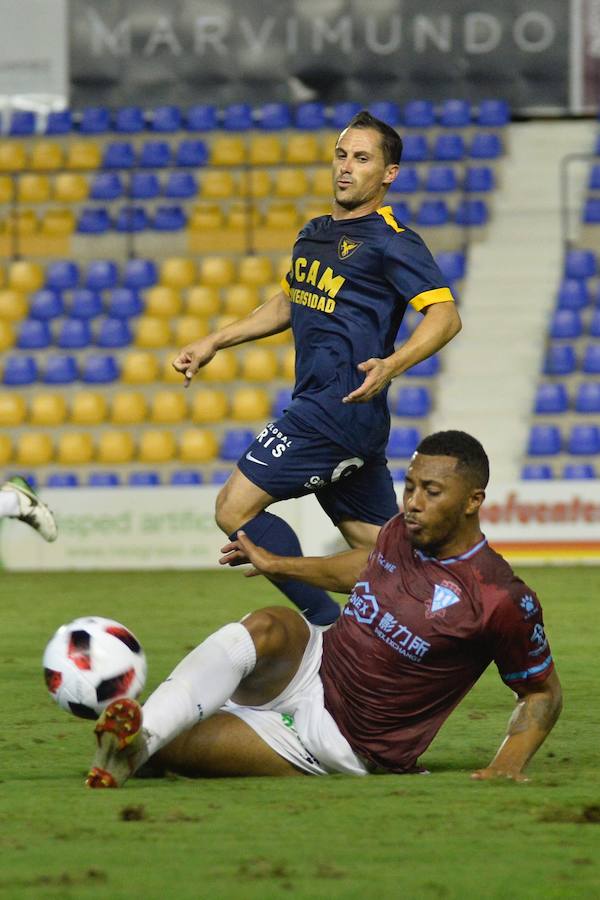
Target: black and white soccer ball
x=90 y=662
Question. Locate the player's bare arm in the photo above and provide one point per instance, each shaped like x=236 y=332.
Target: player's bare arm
x=269 y=318
x=338 y=572
x=440 y=323
x=538 y=708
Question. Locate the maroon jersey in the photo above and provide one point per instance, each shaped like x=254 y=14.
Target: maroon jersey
x=414 y=637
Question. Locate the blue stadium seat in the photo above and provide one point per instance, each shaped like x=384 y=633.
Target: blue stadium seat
x=440 y=179
x=310 y=116
x=143 y=478
x=544 y=440
x=591 y=211
x=235 y=442
x=479 y=180
x=453 y=264
x=220 y=476
x=580 y=263
x=572 y=294
x=387 y=111
x=85 y=304
x=594 y=178
x=449 y=147
x=181 y=185
x=118 y=155
x=584 y=440
x=60 y=368
x=432 y=213
x=594 y=324
x=144 y=186
x=398 y=474
x=124 y=302
x=106 y=186
x=46 y=304
x=579 y=471
x=99 y=369
x=30 y=477
x=155 y=155
x=129 y=120
x=560 y=360
x=237 y=117
x=166 y=119
x=191 y=153
x=566 y=323
x=427 y=368
x=471 y=213
x=74 y=334
x=101 y=274
x=22 y=123
x=93 y=220
x=403 y=332
x=33 y=334
x=551 y=397
x=186 y=477
x=281 y=401
x=114 y=333
x=103 y=479
x=406 y=181
x=402 y=442
x=140 y=273
x=413 y=401
x=19 y=370
x=587 y=398
x=169 y=218
x=455 y=114
x=201 y=117
x=493 y=113
x=415 y=148
x=591 y=360
x=536 y=472
x=402 y=212
x=486 y=146
x=62 y=480
x=343 y=112
x=62 y=274
x=418 y=114
x=274 y=117
x=94 y=120
x=59 y=122
x=132 y=219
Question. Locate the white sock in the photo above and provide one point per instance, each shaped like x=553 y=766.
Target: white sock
x=9 y=503
x=199 y=686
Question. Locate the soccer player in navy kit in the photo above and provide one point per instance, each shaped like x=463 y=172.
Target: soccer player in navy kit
x=430 y=607
x=351 y=278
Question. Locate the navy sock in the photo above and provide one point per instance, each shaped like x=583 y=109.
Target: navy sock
x=272 y=533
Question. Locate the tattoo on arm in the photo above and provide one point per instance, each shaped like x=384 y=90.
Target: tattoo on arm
x=539 y=710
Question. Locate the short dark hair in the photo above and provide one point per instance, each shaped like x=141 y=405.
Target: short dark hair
x=464 y=448
x=391 y=142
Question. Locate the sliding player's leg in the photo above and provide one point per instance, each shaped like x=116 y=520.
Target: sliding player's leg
x=18 y=500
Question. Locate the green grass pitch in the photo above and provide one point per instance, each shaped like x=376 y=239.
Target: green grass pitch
x=438 y=836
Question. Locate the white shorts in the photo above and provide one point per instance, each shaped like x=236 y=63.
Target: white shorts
x=297 y=725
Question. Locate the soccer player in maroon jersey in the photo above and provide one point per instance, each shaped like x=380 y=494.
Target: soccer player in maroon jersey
x=430 y=607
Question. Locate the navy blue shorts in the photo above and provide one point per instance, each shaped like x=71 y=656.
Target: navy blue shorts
x=290 y=459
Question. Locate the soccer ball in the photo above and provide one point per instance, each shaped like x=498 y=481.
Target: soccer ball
x=92 y=661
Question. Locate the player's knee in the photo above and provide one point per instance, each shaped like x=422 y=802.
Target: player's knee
x=275 y=629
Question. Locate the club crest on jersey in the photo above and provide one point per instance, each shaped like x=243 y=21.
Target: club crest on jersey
x=347 y=246
x=444 y=595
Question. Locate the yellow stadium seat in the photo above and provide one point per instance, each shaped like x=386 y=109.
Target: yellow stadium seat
x=313 y=210
x=162 y=301
x=240 y=299
x=265 y=150
x=156 y=446
x=282 y=266
x=24 y=275
x=291 y=183
x=255 y=270
x=178 y=272
x=281 y=215
x=75 y=448
x=288 y=365
x=206 y=217
x=269 y=290
x=46 y=156
x=203 y=300
x=88 y=408
x=222 y=367
x=249 y=404
x=34 y=448
x=58 y=222
x=22 y=222
x=139 y=367
x=12 y=409
x=128 y=408
x=5 y=449
x=33 y=188
x=223 y=321
x=259 y=364
x=217 y=270
x=13 y=305
x=168 y=374
x=217 y=184
x=2 y=277
x=228 y=150
x=48 y=409
x=302 y=149
x=70 y=187
x=115 y=447
x=7 y=334
x=321 y=183
x=6 y=189
x=12 y=156
x=208 y=405
x=168 y=407
x=83 y=155
x=151 y=332
x=256 y=184
x=198 y=446
x=328 y=143
x=276 y=340
x=189 y=328
x=242 y=215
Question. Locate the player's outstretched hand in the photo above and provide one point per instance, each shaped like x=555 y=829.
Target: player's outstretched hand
x=492 y=774
x=192 y=357
x=242 y=551
x=377 y=377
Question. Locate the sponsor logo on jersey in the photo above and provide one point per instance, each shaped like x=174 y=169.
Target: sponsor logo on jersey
x=444 y=595
x=251 y=458
x=538 y=639
x=529 y=606
x=314 y=483
x=347 y=247
x=272 y=439
x=363 y=606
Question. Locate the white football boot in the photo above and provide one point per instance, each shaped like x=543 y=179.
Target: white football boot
x=31 y=509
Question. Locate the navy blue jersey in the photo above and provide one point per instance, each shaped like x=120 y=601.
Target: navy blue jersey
x=349 y=285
